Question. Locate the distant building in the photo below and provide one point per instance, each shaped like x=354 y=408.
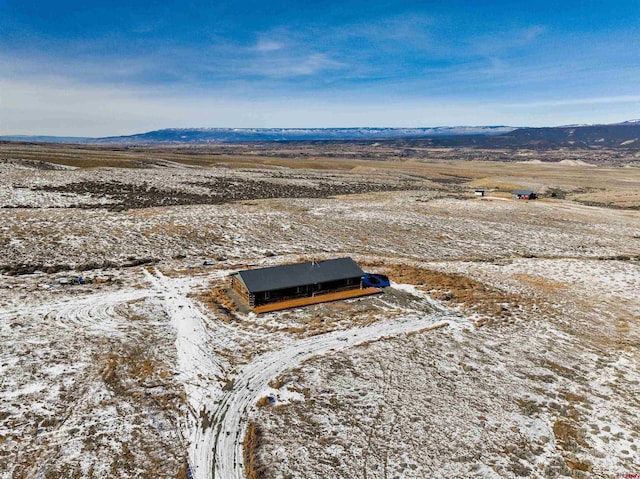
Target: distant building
x=281 y=283
x=525 y=194
x=478 y=192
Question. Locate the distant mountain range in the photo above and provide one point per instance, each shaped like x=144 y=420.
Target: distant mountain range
x=619 y=135
x=624 y=135
x=235 y=135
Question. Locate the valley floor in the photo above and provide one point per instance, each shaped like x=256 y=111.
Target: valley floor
x=507 y=345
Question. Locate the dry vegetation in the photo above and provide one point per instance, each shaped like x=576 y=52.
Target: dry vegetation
x=263 y=402
x=110 y=402
x=562 y=173
x=454 y=289
x=216 y=297
x=251 y=443
x=89 y=373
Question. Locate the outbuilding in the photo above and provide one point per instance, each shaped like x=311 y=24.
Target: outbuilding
x=525 y=194
x=274 y=284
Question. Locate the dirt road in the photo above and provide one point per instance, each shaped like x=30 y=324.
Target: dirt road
x=216 y=443
x=230 y=419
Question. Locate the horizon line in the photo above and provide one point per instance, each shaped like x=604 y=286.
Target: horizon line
x=292 y=128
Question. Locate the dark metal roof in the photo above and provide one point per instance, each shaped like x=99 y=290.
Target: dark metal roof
x=300 y=274
x=523 y=192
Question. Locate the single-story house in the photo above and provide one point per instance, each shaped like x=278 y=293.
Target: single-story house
x=478 y=192
x=278 y=283
x=525 y=194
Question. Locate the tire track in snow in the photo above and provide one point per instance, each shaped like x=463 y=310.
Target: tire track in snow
x=196 y=341
x=230 y=418
x=98 y=313
x=219 y=418
x=95 y=312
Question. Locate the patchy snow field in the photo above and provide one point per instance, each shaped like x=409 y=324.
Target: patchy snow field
x=551 y=395
x=509 y=348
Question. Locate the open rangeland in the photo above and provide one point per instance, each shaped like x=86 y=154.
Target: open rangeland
x=507 y=345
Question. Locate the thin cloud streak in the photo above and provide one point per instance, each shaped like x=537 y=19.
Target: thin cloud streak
x=287 y=66
x=576 y=101
x=68 y=109
x=512 y=63
x=268 y=45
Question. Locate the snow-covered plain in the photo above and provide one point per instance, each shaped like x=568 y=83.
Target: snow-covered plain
x=133 y=375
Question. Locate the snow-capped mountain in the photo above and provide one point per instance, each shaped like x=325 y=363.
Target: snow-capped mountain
x=207 y=135
x=617 y=135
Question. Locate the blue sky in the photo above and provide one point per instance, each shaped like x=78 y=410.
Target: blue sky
x=94 y=68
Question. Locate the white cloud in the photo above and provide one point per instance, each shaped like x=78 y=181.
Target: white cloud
x=71 y=109
x=529 y=34
x=54 y=107
x=269 y=45
x=503 y=42
x=313 y=64
x=576 y=101
x=284 y=66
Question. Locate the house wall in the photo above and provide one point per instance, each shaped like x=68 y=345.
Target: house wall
x=306 y=290
x=239 y=287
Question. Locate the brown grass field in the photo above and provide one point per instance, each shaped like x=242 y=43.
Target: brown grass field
x=563 y=173
x=523 y=361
